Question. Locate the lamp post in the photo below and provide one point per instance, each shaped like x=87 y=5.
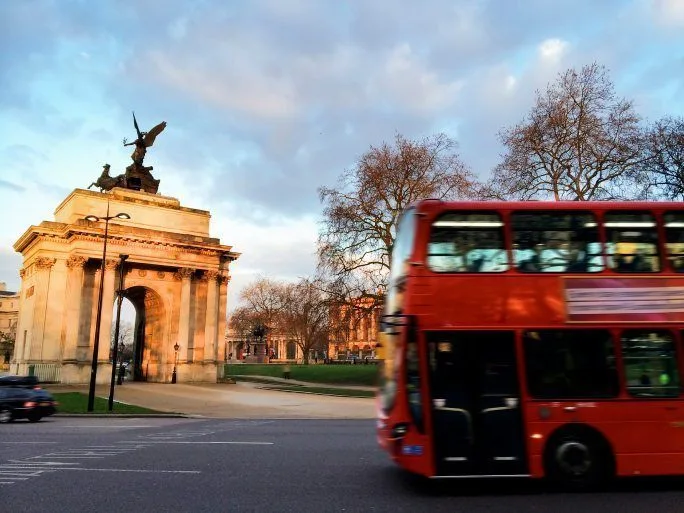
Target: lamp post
x=119 y=296
x=122 y=370
x=176 y=348
x=96 y=342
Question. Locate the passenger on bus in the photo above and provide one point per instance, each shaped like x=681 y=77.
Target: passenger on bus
x=527 y=259
x=487 y=260
x=555 y=257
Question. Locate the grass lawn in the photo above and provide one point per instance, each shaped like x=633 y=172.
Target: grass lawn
x=76 y=402
x=333 y=374
x=286 y=387
x=346 y=392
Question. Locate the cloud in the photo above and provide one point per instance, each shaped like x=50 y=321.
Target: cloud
x=10 y=263
x=669 y=12
x=267 y=100
x=552 y=49
x=4 y=184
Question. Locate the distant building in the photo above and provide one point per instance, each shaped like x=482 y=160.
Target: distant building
x=240 y=346
x=9 y=315
x=354 y=329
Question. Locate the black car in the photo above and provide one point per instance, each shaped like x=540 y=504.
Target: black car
x=44 y=407
x=19 y=381
x=22 y=398
x=15 y=403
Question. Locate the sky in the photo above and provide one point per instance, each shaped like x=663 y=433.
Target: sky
x=268 y=100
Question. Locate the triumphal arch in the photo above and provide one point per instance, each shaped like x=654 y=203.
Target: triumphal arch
x=175 y=274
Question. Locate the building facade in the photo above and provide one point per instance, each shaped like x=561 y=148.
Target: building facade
x=176 y=276
x=354 y=329
x=277 y=346
x=9 y=315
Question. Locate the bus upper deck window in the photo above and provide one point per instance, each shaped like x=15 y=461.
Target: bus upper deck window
x=632 y=242
x=674 y=231
x=467 y=243
x=556 y=242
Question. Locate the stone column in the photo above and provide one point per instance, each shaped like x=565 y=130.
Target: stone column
x=72 y=306
x=184 y=274
x=42 y=284
x=211 y=323
x=107 y=310
x=223 y=280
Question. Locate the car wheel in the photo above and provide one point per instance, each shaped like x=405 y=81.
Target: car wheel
x=33 y=417
x=578 y=461
x=5 y=416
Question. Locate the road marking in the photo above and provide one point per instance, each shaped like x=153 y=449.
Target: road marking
x=109 y=426
x=28 y=442
x=208 y=443
x=39 y=463
x=143 y=471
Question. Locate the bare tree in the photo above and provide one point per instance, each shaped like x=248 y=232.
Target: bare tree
x=579 y=142
x=305 y=317
x=360 y=215
x=7 y=339
x=265 y=298
x=126 y=340
x=242 y=321
x=664 y=162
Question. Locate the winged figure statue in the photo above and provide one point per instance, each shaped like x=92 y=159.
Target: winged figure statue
x=143 y=141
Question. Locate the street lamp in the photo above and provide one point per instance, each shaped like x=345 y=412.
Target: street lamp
x=96 y=342
x=176 y=348
x=119 y=295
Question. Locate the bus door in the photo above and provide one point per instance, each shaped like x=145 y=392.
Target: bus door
x=475 y=396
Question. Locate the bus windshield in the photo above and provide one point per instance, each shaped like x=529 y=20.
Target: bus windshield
x=401 y=252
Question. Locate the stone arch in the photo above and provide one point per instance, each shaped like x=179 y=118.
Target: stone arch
x=176 y=275
x=151 y=335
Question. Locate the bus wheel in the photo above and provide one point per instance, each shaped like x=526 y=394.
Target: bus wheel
x=579 y=459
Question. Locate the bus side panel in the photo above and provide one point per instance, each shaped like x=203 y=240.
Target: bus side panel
x=647 y=438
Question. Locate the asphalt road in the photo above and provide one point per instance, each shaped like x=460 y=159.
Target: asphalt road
x=196 y=465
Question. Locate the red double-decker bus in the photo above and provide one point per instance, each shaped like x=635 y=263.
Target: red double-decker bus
x=539 y=339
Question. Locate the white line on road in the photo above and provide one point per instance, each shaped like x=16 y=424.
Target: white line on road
x=135 y=470
x=28 y=442
x=207 y=443
x=35 y=469
x=110 y=426
x=40 y=463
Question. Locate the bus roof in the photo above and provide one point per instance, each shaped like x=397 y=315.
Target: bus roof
x=432 y=205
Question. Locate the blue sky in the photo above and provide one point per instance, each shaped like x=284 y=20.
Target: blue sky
x=266 y=100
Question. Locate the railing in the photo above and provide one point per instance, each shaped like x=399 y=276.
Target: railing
x=46 y=372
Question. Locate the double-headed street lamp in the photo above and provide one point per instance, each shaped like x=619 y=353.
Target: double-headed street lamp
x=96 y=342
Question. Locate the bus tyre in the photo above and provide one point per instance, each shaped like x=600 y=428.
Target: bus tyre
x=579 y=460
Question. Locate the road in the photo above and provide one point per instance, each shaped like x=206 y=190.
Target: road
x=265 y=465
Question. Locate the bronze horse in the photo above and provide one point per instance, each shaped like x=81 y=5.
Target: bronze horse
x=106 y=182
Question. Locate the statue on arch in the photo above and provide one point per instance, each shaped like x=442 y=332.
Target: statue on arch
x=137 y=175
x=106 y=182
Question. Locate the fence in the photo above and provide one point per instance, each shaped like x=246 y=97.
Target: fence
x=46 y=372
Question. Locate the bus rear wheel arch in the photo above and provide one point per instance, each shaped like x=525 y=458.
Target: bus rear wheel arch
x=578 y=457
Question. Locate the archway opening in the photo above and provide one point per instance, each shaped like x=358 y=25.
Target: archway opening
x=141 y=332
x=125 y=343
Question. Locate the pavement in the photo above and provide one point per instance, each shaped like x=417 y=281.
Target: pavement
x=242 y=400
